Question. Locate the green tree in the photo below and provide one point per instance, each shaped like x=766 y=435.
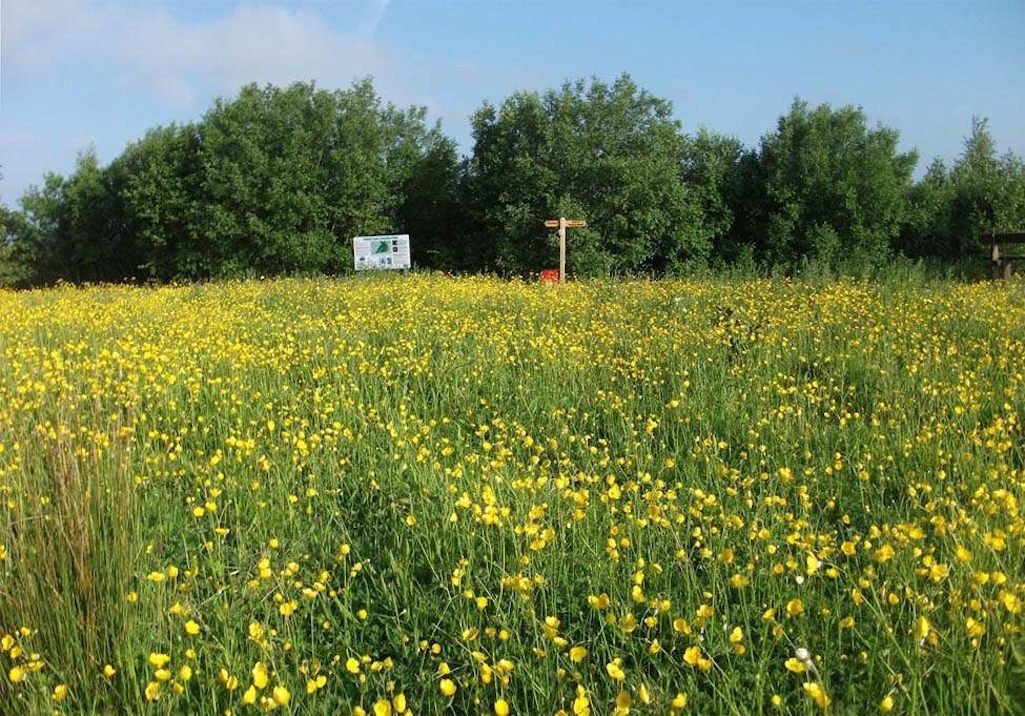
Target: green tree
x=272 y=181
x=607 y=153
x=832 y=189
x=72 y=228
x=17 y=264
x=987 y=191
x=421 y=185
x=712 y=171
x=977 y=184
x=282 y=172
x=161 y=202
x=289 y=176
x=428 y=204
x=981 y=193
x=927 y=229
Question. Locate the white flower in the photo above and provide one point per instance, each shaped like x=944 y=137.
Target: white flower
x=809 y=663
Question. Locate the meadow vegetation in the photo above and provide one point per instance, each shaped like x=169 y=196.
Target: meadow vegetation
x=435 y=495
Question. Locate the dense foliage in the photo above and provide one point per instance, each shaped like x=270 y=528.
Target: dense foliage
x=981 y=193
x=274 y=181
x=277 y=181
x=610 y=154
x=828 y=188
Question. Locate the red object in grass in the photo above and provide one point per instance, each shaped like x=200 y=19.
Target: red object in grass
x=550 y=276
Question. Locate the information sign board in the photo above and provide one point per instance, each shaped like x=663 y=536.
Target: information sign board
x=381 y=252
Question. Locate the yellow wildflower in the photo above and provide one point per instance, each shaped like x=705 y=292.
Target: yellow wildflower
x=816 y=693
x=260 y=675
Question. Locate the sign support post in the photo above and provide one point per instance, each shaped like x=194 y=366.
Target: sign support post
x=562 y=249
x=562 y=223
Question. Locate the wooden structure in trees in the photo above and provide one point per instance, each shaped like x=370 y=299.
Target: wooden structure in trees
x=1001 y=265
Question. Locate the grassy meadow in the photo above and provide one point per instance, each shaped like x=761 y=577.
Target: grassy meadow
x=426 y=495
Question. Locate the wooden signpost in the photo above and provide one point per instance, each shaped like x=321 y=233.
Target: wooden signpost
x=562 y=223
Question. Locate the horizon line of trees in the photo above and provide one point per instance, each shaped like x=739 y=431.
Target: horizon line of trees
x=278 y=180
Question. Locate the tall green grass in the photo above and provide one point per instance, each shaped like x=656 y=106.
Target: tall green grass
x=471 y=463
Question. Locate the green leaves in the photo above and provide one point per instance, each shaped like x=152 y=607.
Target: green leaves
x=274 y=181
x=981 y=193
x=831 y=188
x=293 y=174
x=609 y=154
x=278 y=180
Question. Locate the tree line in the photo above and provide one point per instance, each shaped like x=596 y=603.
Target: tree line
x=278 y=180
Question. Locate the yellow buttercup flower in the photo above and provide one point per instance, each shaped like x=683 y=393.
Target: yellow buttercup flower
x=812 y=564
x=922 y=627
x=974 y=627
x=152 y=691
x=259 y=675
x=884 y=553
x=816 y=693
x=281 y=695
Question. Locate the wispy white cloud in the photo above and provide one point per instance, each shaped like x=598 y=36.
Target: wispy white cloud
x=377 y=10
x=35 y=32
x=146 y=49
x=99 y=72
x=19 y=138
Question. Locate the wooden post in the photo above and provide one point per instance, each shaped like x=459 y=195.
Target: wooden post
x=1001 y=265
x=562 y=249
x=562 y=223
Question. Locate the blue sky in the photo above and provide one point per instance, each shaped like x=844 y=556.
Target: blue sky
x=75 y=73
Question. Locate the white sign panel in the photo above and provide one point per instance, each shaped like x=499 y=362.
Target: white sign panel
x=381 y=252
